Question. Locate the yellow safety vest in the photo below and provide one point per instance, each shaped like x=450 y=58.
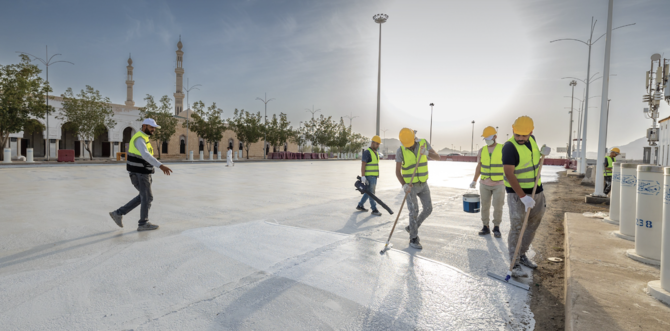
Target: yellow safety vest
x=372 y=167
x=135 y=162
x=492 y=164
x=529 y=163
x=610 y=160
x=409 y=161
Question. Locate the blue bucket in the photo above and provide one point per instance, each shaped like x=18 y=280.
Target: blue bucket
x=471 y=203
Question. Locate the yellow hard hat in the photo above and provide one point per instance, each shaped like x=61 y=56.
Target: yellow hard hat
x=489 y=131
x=523 y=125
x=616 y=150
x=407 y=137
x=377 y=139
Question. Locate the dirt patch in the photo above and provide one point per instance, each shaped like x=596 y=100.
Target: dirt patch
x=548 y=290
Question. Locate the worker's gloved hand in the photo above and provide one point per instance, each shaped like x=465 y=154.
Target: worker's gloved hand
x=473 y=184
x=528 y=202
x=406 y=188
x=364 y=180
x=423 y=151
x=545 y=150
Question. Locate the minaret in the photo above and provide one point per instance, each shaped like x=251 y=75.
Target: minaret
x=129 y=83
x=179 y=70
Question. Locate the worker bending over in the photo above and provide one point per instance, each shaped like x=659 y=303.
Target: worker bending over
x=369 y=174
x=492 y=185
x=521 y=161
x=414 y=150
x=609 y=161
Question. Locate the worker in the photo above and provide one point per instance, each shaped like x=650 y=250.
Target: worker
x=521 y=161
x=411 y=151
x=609 y=161
x=369 y=174
x=140 y=165
x=229 y=157
x=491 y=186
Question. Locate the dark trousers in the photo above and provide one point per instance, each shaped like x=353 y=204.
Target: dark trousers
x=142 y=183
x=608 y=184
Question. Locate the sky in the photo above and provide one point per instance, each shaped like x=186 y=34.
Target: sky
x=488 y=61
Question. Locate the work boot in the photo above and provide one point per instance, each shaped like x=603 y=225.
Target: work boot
x=361 y=208
x=118 y=219
x=147 y=226
x=414 y=243
x=484 y=231
x=518 y=271
x=376 y=212
x=527 y=262
x=496 y=232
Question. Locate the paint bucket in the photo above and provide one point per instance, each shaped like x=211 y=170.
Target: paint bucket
x=471 y=203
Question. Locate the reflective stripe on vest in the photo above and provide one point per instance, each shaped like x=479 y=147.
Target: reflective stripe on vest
x=135 y=162
x=372 y=167
x=409 y=162
x=610 y=160
x=529 y=162
x=492 y=165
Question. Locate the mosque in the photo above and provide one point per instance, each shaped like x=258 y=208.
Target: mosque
x=116 y=139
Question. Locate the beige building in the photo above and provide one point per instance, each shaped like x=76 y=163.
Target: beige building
x=127 y=116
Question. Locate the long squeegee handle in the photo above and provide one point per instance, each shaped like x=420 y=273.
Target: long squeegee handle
x=418 y=160
x=525 y=220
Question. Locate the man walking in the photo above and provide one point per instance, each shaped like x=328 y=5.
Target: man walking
x=229 y=157
x=609 y=161
x=412 y=151
x=140 y=165
x=521 y=160
x=369 y=174
x=491 y=186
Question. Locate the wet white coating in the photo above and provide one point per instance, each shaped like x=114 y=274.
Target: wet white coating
x=257 y=247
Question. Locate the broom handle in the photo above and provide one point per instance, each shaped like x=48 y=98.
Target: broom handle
x=525 y=220
x=418 y=160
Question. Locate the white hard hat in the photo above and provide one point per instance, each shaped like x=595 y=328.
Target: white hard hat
x=150 y=122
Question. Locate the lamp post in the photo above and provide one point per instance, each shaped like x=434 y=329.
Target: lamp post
x=573 y=83
x=431 y=123
x=265 y=129
x=472 y=143
x=351 y=117
x=188 y=89
x=188 y=107
x=313 y=111
x=47 y=62
x=379 y=18
x=589 y=42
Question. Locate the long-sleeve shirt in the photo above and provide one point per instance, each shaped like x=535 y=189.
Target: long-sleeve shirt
x=142 y=147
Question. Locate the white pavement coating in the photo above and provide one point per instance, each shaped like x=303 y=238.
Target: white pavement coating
x=261 y=246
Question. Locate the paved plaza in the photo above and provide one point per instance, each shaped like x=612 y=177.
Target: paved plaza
x=260 y=246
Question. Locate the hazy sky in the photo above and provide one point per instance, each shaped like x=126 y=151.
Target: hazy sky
x=488 y=61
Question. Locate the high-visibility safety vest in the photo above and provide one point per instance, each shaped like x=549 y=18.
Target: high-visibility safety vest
x=529 y=163
x=372 y=167
x=492 y=164
x=409 y=161
x=135 y=162
x=610 y=160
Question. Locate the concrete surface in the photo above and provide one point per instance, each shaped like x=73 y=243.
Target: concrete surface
x=659 y=293
x=261 y=246
x=605 y=290
x=631 y=253
x=596 y=200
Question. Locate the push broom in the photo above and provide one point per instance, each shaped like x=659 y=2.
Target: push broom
x=388 y=242
x=507 y=278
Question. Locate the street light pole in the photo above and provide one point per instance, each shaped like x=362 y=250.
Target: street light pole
x=472 y=143
x=604 y=109
x=573 y=83
x=47 y=62
x=188 y=107
x=265 y=129
x=431 y=123
x=350 y=117
x=379 y=18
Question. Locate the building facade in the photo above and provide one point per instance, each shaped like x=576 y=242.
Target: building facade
x=127 y=116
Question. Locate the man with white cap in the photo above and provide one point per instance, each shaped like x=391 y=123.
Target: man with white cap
x=140 y=165
x=492 y=185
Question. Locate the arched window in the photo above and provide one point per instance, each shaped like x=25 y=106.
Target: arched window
x=241 y=146
x=285 y=147
x=164 y=148
x=216 y=147
x=201 y=146
x=182 y=145
x=230 y=143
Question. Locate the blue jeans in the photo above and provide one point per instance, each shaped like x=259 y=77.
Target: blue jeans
x=142 y=183
x=372 y=184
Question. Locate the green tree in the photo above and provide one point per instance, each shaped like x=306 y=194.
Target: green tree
x=324 y=131
x=247 y=127
x=22 y=97
x=208 y=124
x=340 y=137
x=356 y=143
x=162 y=114
x=33 y=127
x=299 y=137
x=89 y=112
x=279 y=130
